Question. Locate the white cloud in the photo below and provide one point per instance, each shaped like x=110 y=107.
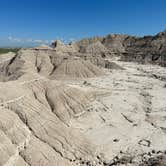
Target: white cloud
x=10 y=38
x=46 y=41
x=72 y=40
x=38 y=41
x=29 y=40
x=13 y=39
x=32 y=41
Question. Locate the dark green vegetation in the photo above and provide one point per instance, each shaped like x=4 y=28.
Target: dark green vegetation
x=6 y=50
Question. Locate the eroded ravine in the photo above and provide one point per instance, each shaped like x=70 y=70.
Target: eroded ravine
x=103 y=118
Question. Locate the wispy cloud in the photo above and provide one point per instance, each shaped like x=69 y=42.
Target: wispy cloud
x=38 y=41
x=33 y=41
x=13 y=39
x=28 y=42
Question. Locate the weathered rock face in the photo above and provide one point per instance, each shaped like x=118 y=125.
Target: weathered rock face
x=115 y=42
x=60 y=62
x=65 y=48
x=95 y=51
x=148 y=49
x=59 y=107
x=10 y=67
x=47 y=62
x=35 y=124
x=73 y=68
x=36 y=110
x=82 y=44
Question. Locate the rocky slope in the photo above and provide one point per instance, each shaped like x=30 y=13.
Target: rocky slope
x=147 y=49
x=76 y=104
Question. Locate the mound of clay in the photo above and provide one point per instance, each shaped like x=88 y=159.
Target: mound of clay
x=115 y=42
x=65 y=48
x=76 y=68
x=10 y=67
x=35 y=124
x=96 y=48
x=47 y=63
x=82 y=44
x=43 y=47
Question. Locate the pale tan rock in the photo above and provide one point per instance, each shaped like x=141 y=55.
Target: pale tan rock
x=40 y=153
x=20 y=162
x=65 y=48
x=76 y=68
x=48 y=63
x=7 y=150
x=58 y=108
x=43 y=113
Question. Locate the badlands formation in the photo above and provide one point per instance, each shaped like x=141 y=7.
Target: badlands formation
x=96 y=102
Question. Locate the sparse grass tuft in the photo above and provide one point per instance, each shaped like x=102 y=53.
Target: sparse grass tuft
x=6 y=50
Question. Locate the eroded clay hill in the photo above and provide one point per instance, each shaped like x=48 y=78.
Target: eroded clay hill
x=35 y=124
x=77 y=104
x=147 y=49
x=36 y=109
x=48 y=63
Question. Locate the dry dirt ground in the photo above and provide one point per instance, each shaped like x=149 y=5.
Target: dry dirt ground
x=118 y=118
x=128 y=116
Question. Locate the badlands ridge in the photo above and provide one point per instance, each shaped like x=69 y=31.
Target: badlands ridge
x=95 y=102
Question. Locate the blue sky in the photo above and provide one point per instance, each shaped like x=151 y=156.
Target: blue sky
x=25 y=22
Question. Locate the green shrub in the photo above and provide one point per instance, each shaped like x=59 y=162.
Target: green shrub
x=6 y=50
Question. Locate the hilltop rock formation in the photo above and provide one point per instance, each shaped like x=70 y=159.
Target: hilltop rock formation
x=113 y=42
x=49 y=63
x=147 y=49
x=64 y=48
